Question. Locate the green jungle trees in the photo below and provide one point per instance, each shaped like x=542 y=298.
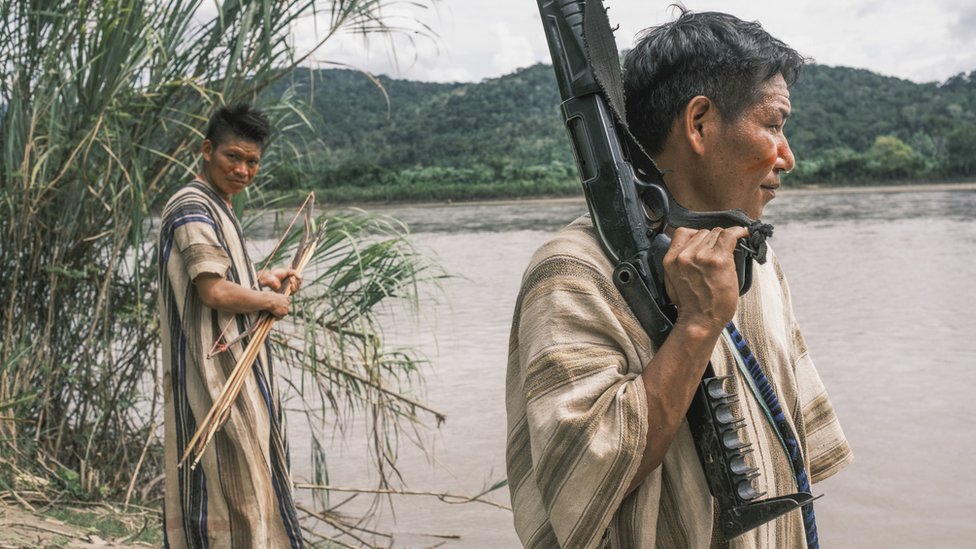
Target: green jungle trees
x=851 y=126
x=503 y=137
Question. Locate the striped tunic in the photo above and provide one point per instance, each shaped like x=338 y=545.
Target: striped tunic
x=577 y=416
x=240 y=495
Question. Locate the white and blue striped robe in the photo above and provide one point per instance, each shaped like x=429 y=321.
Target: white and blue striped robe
x=240 y=495
x=578 y=420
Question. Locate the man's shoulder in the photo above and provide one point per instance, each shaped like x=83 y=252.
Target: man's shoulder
x=192 y=195
x=772 y=271
x=576 y=242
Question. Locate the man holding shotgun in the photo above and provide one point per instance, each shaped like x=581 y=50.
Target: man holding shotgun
x=240 y=493
x=599 y=450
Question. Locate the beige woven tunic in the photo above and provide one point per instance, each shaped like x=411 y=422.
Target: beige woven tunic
x=577 y=416
x=240 y=495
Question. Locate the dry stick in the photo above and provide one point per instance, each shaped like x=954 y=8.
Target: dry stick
x=42 y=528
x=327 y=517
x=441 y=418
x=342 y=527
x=328 y=539
x=145 y=450
x=345 y=529
x=443 y=496
x=220 y=410
x=21 y=500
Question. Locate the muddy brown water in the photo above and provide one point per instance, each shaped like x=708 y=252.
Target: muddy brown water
x=883 y=286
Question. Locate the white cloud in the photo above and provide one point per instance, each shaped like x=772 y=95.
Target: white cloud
x=901 y=38
x=513 y=50
x=963 y=26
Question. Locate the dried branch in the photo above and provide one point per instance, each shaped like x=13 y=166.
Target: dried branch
x=443 y=496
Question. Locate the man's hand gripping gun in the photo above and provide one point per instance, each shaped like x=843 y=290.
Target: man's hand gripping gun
x=630 y=207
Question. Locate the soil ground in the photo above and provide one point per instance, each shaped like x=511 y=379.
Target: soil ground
x=76 y=528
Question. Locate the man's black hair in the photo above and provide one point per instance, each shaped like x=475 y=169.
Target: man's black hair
x=713 y=54
x=240 y=120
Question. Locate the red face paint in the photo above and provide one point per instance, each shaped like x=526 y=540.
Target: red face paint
x=763 y=165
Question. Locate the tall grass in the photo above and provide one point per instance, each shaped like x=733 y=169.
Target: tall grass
x=101 y=107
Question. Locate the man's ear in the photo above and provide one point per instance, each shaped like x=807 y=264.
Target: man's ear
x=207 y=149
x=697 y=119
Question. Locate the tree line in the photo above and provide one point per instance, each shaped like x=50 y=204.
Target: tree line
x=390 y=139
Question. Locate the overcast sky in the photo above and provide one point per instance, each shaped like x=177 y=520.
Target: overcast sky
x=918 y=40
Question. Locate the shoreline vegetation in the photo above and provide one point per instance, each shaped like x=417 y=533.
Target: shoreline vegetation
x=101 y=108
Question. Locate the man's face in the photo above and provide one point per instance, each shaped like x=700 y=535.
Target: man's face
x=231 y=165
x=744 y=158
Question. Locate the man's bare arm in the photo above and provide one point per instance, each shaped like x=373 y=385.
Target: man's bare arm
x=702 y=282
x=223 y=295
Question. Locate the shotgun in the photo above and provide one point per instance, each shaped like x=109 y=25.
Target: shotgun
x=630 y=208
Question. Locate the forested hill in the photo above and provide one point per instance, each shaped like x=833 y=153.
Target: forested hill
x=504 y=136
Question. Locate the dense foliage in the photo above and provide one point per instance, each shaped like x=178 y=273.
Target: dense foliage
x=388 y=139
x=854 y=126
x=102 y=104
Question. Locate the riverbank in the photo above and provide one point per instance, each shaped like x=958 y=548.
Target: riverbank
x=293 y=199
x=906 y=188
x=77 y=527
x=784 y=191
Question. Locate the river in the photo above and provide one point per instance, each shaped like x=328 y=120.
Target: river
x=882 y=285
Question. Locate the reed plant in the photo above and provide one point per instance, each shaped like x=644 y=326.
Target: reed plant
x=102 y=103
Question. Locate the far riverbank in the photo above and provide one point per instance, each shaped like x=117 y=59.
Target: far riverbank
x=911 y=187
x=785 y=191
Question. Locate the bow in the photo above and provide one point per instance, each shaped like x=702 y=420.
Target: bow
x=220 y=410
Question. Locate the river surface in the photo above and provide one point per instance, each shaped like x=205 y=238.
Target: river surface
x=883 y=286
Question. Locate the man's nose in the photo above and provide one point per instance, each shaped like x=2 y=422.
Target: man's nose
x=784 y=157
